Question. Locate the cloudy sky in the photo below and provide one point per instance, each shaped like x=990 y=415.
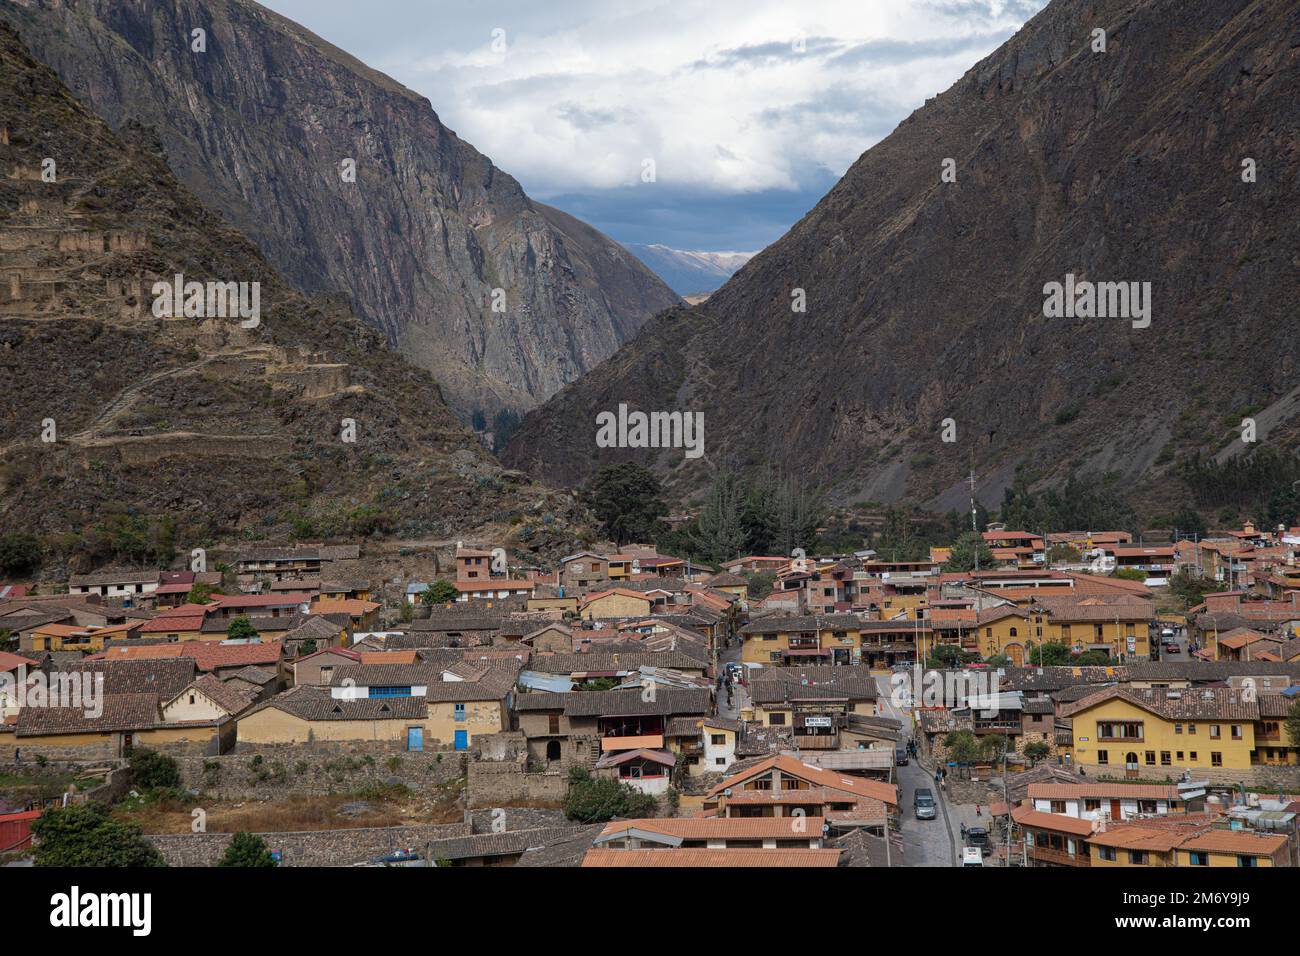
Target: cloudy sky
x=749 y=109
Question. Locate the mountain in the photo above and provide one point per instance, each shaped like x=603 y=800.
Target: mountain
x=259 y=124
x=123 y=429
x=688 y=273
x=927 y=300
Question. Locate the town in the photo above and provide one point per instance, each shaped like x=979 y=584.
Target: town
x=1070 y=700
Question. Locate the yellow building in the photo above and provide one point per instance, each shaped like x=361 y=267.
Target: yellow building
x=1235 y=848
x=1162 y=731
x=449 y=713
x=616 y=602
x=71 y=637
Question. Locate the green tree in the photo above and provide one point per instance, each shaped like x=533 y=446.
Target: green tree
x=966 y=550
x=1293 y=724
x=504 y=425
x=1037 y=750
x=720 y=533
x=246 y=849
x=440 y=591
x=1064 y=554
x=151 y=770
x=759 y=584
x=200 y=592
x=20 y=554
x=963 y=746
x=628 y=501
x=599 y=799
x=1191 y=588
x=83 y=835
x=241 y=629
x=1188 y=522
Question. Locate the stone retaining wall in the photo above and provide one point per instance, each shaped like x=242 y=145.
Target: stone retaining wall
x=495 y=784
x=270 y=772
x=307 y=848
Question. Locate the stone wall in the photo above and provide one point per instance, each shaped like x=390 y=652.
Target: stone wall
x=271 y=772
x=307 y=848
x=502 y=783
x=516 y=818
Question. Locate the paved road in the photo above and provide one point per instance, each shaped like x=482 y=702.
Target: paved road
x=925 y=842
x=740 y=696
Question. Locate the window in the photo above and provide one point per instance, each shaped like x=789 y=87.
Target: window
x=719 y=761
x=1244 y=860
x=1091 y=804
x=390 y=692
x=1180 y=756
x=1192 y=756
x=776 y=720
x=1214 y=731
x=1138 y=857
x=1178 y=728
x=460 y=711
x=718 y=740
x=1166 y=759
x=1150 y=756
x=553 y=723
x=1236 y=731
x=1198 y=858
x=1216 y=758
x=1191 y=729
x=1106 y=853
x=1058 y=806
x=1103 y=757
x=1119 y=730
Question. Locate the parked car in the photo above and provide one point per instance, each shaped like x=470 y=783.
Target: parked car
x=1171 y=647
x=978 y=837
x=971 y=856
x=923 y=804
x=1166 y=633
x=900 y=755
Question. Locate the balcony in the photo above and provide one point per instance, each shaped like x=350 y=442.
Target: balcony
x=817 y=742
x=1057 y=857
x=646 y=741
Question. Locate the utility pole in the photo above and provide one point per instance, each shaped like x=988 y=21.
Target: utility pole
x=974 y=515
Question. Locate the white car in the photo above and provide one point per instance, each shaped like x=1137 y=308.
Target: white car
x=971 y=856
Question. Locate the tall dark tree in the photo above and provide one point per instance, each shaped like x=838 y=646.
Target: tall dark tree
x=628 y=500
x=721 y=527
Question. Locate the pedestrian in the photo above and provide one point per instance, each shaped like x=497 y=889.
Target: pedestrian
x=963 y=831
x=978 y=812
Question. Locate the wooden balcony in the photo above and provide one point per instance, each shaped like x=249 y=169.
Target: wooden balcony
x=817 y=742
x=1057 y=857
x=647 y=741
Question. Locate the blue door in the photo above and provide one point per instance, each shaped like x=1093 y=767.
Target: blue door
x=462 y=740
x=414 y=738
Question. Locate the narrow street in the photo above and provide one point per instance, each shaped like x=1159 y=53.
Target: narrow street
x=925 y=842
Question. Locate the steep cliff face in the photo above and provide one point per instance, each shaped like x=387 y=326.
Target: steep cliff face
x=925 y=299
x=259 y=125
x=117 y=421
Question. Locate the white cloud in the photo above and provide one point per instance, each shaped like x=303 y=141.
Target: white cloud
x=714 y=92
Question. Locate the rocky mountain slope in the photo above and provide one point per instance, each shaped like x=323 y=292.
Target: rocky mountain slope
x=926 y=299
x=688 y=272
x=116 y=423
x=259 y=124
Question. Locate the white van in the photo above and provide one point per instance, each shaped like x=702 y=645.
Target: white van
x=971 y=856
